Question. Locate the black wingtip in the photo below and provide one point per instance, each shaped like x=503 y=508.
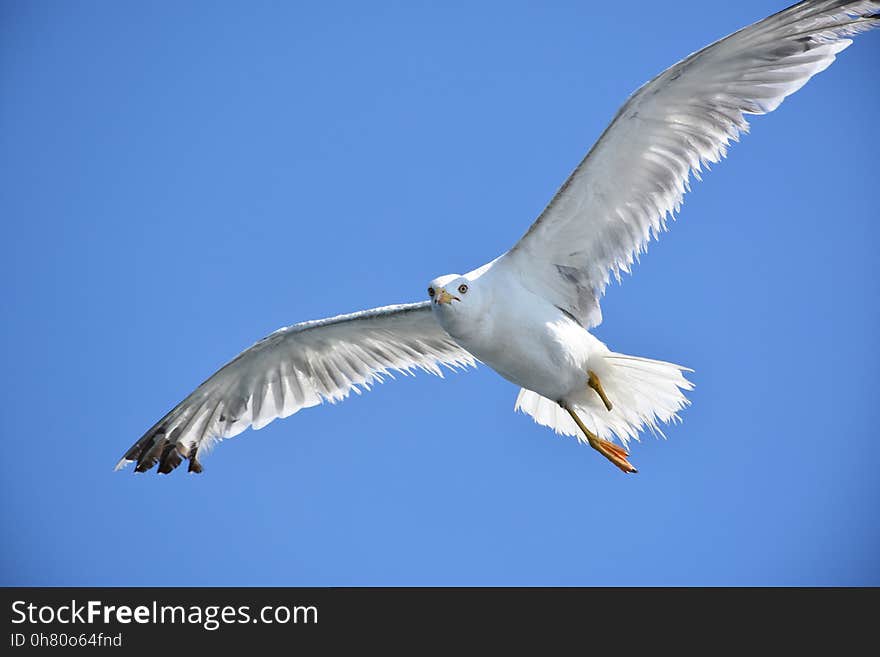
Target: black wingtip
x=171 y=458
x=195 y=465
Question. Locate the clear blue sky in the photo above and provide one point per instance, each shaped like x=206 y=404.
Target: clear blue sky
x=180 y=179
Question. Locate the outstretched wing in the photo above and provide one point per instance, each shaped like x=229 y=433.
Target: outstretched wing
x=294 y=368
x=636 y=174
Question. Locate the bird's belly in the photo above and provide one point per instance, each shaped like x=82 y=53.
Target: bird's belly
x=547 y=357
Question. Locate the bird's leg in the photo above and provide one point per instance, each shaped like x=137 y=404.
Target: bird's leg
x=617 y=455
x=594 y=382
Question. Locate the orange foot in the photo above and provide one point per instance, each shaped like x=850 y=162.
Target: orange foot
x=617 y=455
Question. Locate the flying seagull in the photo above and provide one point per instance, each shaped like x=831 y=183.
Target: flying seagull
x=527 y=314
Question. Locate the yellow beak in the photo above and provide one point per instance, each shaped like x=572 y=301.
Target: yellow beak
x=444 y=297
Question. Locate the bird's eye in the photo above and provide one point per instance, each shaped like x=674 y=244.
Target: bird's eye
x=430 y=291
x=462 y=288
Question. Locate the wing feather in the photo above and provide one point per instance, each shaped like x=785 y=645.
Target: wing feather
x=294 y=368
x=635 y=176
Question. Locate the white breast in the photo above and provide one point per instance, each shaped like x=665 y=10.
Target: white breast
x=525 y=339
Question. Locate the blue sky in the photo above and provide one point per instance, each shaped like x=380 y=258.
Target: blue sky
x=180 y=179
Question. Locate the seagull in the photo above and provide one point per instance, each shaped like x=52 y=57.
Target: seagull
x=528 y=313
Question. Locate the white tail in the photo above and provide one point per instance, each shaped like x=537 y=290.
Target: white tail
x=643 y=393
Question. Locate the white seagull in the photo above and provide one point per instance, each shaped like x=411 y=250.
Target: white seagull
x=527 y=314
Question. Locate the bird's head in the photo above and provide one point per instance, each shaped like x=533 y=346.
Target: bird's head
x=449 y=290
x=456 y=299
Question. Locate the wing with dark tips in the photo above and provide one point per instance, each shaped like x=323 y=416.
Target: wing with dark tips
x=293 y=368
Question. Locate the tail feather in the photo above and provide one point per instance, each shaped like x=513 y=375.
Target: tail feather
x=645 y=393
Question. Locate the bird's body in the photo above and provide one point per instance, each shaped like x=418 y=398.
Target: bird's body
x=523 y=337
x=554 y=359
x=528 y=313
x=549 y=354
